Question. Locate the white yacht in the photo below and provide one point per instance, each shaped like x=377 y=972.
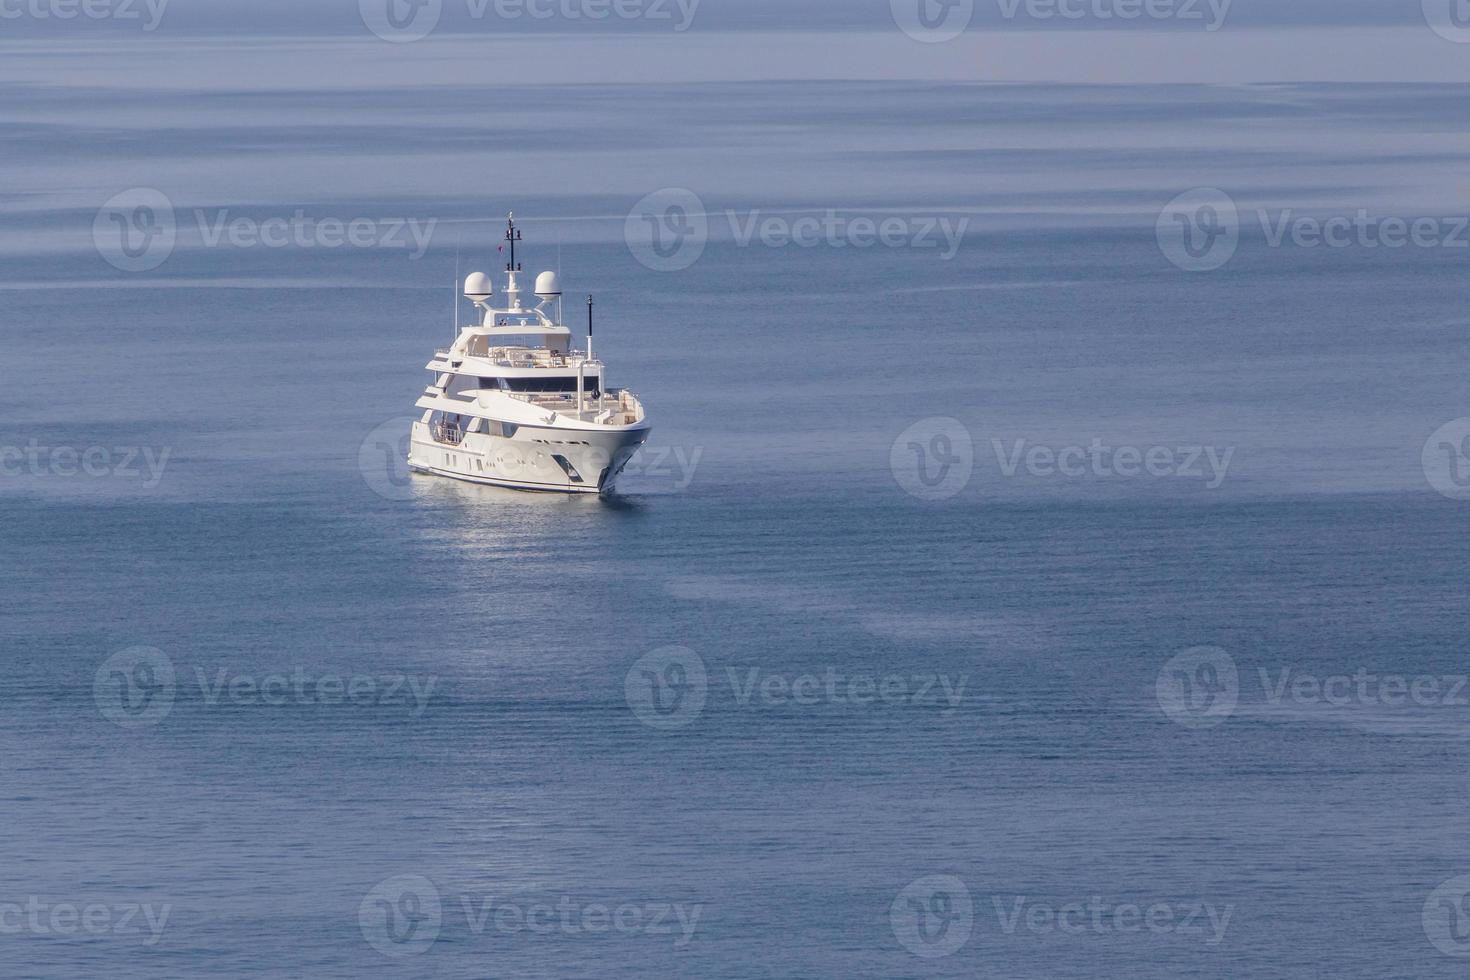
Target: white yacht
x=513 y=405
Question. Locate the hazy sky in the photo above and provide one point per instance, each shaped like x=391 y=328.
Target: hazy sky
x=1108 y=41
x=20 y=17
x=484 y=62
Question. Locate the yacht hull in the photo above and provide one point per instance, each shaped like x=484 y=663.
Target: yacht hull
x=549 y=460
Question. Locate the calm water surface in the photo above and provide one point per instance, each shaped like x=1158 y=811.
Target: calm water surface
x=503 y=753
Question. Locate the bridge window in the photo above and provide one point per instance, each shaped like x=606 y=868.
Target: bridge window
x=567 y=384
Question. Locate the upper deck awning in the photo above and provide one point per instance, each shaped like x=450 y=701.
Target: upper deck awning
x=521 y=330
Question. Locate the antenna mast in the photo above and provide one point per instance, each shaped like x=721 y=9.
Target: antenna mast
x=512 y=236
x=513 y=289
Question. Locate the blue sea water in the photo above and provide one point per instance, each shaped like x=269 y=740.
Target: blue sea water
x=504 y=753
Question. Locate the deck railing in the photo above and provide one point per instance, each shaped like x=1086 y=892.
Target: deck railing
x=446 y=435
x=565 y=403
x=517 y=359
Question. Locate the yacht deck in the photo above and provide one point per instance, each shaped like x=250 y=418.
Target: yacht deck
x=507 y=357
x=612 y=408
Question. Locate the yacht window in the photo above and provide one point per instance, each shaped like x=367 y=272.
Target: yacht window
x=566 y=384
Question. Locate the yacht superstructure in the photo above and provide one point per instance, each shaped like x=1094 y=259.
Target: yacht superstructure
x=512 y=404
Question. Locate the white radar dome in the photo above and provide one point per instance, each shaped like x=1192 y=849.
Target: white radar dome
x=548 y=286
x=477 y=287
